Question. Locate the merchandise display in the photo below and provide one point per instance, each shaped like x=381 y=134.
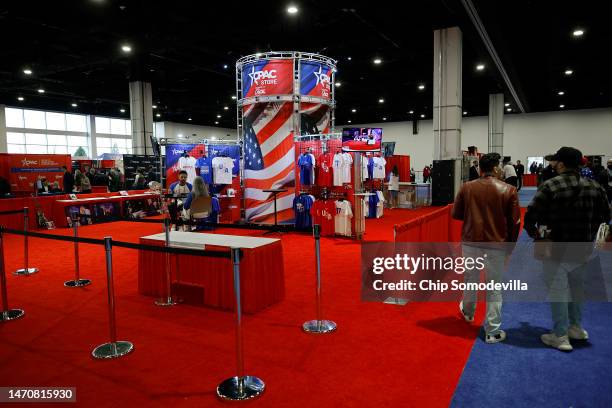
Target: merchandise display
x=188 y=164
x=222 y=170
x=342 y=220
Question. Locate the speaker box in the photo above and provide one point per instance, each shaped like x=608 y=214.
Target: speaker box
x=443 y=182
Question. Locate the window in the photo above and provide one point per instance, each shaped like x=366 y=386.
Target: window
x=36 y=149
x=55 y=121
x=34 y=119
x=14 y=117
x=76 y=123
x=119 y=127
x=102 y=125
x=15 y=148
x=35 y=139
x=16 y=138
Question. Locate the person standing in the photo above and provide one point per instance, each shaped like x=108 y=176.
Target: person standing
x=489 y=209
x=567 y=209
x=68 y=181
x=520 y=172
x=509 y=173
x=394 y=187
x=474 y=175
x=85 y=183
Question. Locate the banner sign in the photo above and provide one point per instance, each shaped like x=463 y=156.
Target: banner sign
x=175 y=151
x=232 y=151
x=267 y=77
x=25 y=169
x=315 y=79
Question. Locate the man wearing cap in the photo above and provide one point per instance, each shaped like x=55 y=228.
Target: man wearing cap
x=567 y=210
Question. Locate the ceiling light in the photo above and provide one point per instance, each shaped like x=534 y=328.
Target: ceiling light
x=154 y=106
x=377 y=61
x=158 y=115
x=422 y=115
x=213 y=138
x=568 y=72
x=506 y=104
x=353 y=110
x=465 y=112
x=122 y=110
x=348 y=121
x=41 y=90
x=234 y=97
x=189 y=119
x=349 y=58
x=292 y=9
x=509 y=110
x=562 y=106
x=411 y=112
x=27 y=71
x=338 y=84
x=225 y=66
x=20 y=98
x=218 y=116
x=384 y=118
x=381 y=100
x=480 y=67
x=126 y=48
x=421 y=87
x=74 y=105
x=216 y=122
x=560 y=93
x=578 y=33
x=225 y=108
x=180 y=135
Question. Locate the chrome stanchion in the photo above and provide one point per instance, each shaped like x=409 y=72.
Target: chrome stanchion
x=240 y=387
x=77 y=282
x=167 y=300
x=6 y=314
x=114 y=348
x=26 y=271
x=319 y=325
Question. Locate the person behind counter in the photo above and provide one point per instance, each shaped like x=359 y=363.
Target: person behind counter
x=179 y=188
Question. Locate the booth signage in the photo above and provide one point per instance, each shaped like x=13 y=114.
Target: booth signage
x=315 y=79
x=267 y=77
x=25 y=169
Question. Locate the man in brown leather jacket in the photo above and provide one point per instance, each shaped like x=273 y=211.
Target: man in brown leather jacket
x=489 y=209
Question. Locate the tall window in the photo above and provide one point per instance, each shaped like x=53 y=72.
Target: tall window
x=113 y=136
x=34 y=131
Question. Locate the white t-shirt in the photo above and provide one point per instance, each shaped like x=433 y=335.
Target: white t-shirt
x=338 y=169
x=509 y=171
x=364 y=167
x=222 y=170
x=312 y=173
x=393 y=182
x=379 y=168
x=342 y=220
x=346 y=167
x=180 y=190
x=380 y=206
x=188 y=164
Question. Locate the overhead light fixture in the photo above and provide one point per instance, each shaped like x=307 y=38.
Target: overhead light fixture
x=560 y=93
x=506 y=104
x=411 y=112
x=225 y=66
x=126 y=48
x=377 y=61
x=338 y=84
x=180 y=135
x=353 y=110
x=384 y=118
x=158 y=115
x=41 y=91
x=509 y=110
x=349 y=58
x=234 y=97
x=154 y=106
x=480 y=67
x=122 y=110
x=27 y=71
x=216 y=122
x=381 y=100
x=225 y=108
x=465 y=112
x=74 y=105
x=218 y=116
x=422 y=115
x=421 y=87
x=292 y=9
x=20 y=98
x=213 y=138
x=568 y=72
x=348 y=121
x=578 y=33
x=562 y=106
x=189 y=119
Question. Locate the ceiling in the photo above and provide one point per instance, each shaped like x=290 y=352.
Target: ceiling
x=74 y=52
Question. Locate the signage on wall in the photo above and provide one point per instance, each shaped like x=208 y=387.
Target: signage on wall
x=315 y=79
x=25 y=169
x=267 y=77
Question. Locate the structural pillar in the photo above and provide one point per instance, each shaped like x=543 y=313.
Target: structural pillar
x=447 y=93
x=141 y=114
x=496 y=123
x=3 y=143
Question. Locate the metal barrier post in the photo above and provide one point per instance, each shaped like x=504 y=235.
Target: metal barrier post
x=240 y=387
x=26 y=271
x=167 y=300
x=114 y=348
x=319 y=325
x=77 y=282
x=6 y=314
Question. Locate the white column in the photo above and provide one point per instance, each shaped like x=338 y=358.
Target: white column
x=91 y=129
x=141 y=114
x=447 y=93
x=3 y=144
x=496 y=123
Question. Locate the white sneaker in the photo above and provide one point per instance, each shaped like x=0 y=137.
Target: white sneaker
x=495 y=338
x=465 y=316
x=560 y=343
x=577 y=333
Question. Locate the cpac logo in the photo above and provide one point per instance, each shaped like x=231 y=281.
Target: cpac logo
x=256 y=76
x=322 y=77
x=176 y=151
x=25 y=162
x=22 y=178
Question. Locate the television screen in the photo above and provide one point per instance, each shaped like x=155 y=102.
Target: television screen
x=361 y=139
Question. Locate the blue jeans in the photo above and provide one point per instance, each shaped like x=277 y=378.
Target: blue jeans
x=565 y=282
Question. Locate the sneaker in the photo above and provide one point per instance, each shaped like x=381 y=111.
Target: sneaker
x=577 y=333
x=496 y=338
x=467 y=318
x=560 y=343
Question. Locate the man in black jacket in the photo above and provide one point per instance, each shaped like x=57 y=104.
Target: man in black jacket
x=520 y=171
x=68 y=181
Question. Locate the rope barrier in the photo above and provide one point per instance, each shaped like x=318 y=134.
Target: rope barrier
x=283 y=228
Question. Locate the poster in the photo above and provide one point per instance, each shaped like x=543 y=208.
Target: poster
x=267 y=77
x=25 y=169
x=315 y=79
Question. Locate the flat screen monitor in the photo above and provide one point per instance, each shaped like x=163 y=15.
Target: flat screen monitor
x=361 y=139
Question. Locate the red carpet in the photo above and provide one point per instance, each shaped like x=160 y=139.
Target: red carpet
x=381 y=355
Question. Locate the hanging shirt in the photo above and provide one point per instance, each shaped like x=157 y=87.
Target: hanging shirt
x=380 y=206
x=222 y=170
x=342 y=220
x=346 y=168
x=338 y=167
x=379 y=164
x=301 y=207
x=325 y=176
x=323 y=213
x=312 y=173
x=205 y=166
x=364 y=168
x=188 y=164
x=306 y=169
x=372 y=205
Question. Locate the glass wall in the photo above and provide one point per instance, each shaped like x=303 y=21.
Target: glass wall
x=113 y=136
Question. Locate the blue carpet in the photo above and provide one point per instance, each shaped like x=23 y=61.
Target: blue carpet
x=526 y=195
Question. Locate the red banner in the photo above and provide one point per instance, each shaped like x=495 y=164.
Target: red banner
x=267 y=77
x=23 y=170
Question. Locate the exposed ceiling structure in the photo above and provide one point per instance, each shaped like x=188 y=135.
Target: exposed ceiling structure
x=188 y=50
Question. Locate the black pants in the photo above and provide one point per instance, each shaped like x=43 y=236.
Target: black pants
x=520 y=182
x=511 y=181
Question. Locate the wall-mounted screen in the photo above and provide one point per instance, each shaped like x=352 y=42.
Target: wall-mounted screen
x=361 y=139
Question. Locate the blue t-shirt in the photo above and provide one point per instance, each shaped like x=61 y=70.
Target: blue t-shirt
x=301 y=206
x=305 y=163
x=372 y=203
x=205 y=166
x=370 y=168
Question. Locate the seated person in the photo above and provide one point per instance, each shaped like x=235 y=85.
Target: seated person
x=180 y=189
x=43 y=186
x=198 y=198
x=55 y=189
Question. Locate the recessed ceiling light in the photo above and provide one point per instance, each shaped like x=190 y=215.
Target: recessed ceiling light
x=154 y=106
x=122 y=110
x=349 y=58
x=578 y=33
x=411 y=112
x=234 y=97
x=20 y=98
x=218 y=116
x=384 y=118
x=348 y=121
x=216 y=122
x=338 y=84
x=353 y=110
x=126 y=48
x=560 y=93
x=225 y=108
x=74 y=105
x=568 y=72
x=465 y=112
x=422 y=115
x=421 y=87
x=27 y=71
x=225 y=66
x=381 y=100
x=562 y=106
x=509 y=110
x=506 y=104
x=292 y=9
x=158 y=115
x=480 y=67
x=189 y=119
x=377 y=61
x=41 y=90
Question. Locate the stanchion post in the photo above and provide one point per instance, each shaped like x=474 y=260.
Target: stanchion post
x=77 y=282
x=26 y=271
x=6 y=314
x=167 y=300
x=241 y=387
x=114 y=348
x=319 y=325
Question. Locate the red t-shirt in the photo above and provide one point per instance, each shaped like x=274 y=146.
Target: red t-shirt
x=323 y=212
x=325 y=176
